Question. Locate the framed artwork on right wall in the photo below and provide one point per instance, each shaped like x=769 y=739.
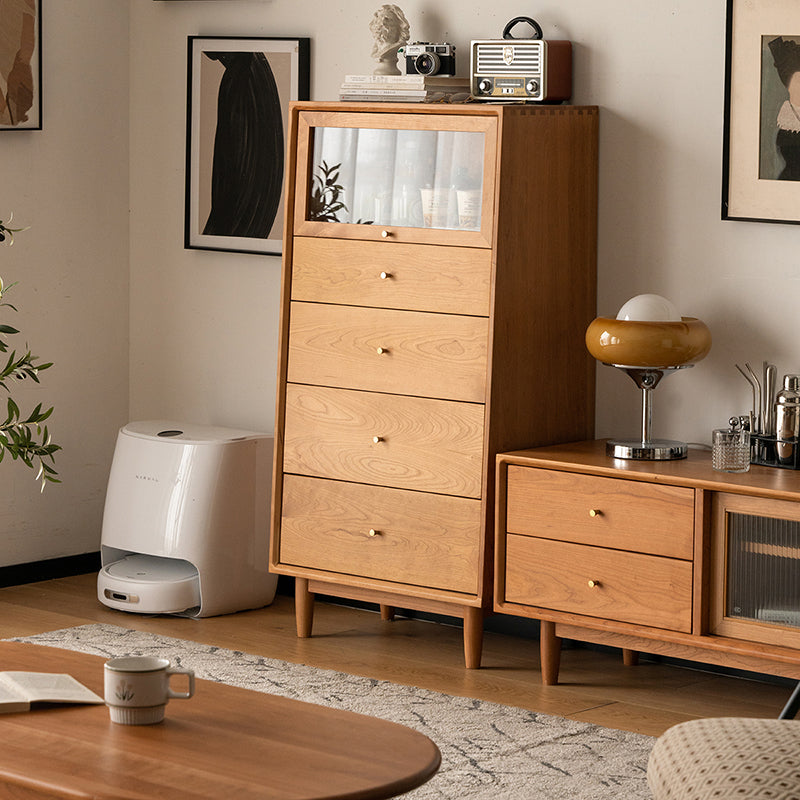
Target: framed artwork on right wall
x=761 y=146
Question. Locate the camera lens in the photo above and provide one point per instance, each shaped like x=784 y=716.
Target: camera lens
x=427 y=63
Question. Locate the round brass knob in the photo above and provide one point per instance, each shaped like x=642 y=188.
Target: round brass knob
x=373 y=532
x=382 y=351
x=594 y=584
x=595 y=512
x=385 y=275
x=377 y=439
x=386 y=234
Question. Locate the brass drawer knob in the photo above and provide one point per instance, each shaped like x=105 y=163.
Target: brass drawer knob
x=594 y=584
x=377 y=439
x=595 y=512
x=373 y=532
x=385 y=234
x=385 y=275
x=381 y=351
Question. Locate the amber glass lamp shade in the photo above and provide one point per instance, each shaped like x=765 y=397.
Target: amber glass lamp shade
x=647 y=349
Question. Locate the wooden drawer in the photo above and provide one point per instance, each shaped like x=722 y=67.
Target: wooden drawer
x=388 y=534
x=430 y=355
x=452 y=280
x=428 y=445
x=630 y=587
x=608 y=512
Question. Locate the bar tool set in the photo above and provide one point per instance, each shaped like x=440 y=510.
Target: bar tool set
x=774 y=421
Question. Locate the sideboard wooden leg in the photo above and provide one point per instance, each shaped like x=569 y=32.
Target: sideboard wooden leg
x=473 y=637
x=550 y=649
x=387 y=613
x=630 y=658
x=303 y=608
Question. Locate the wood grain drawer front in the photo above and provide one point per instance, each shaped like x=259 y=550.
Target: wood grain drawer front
x=628 y=587
x=388 y=440
x=608 y=512
x=388 y=534
x=452 y=280
x=430 y=355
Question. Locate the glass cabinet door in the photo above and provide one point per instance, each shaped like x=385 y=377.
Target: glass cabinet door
x=756 y=594
x=395 y=172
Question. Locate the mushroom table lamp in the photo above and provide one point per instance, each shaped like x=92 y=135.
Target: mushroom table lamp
x=647 y=340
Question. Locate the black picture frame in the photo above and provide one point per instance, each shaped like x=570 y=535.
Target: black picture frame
x=760 y=176
x=238 y=92
x=21 y=69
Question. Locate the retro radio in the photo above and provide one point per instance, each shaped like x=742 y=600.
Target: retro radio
x=532 y=70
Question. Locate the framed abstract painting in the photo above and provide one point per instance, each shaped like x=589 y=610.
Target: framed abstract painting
x=761 y=145
x=21 y=65
x=238 y=95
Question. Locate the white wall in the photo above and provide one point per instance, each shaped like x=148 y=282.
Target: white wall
x=203 y=325
x=69 y=183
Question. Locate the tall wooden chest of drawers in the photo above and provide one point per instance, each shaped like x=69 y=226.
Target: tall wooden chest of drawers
x=439 y=274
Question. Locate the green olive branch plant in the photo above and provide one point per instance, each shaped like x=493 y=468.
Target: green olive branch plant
x=24 y=438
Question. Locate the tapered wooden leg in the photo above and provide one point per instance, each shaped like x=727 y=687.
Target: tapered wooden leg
x=303 y=608
x=387 y=613
x=473 y=637
x=630 y=658
x=550 y=649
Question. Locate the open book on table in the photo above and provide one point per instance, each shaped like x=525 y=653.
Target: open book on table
x=19 y=690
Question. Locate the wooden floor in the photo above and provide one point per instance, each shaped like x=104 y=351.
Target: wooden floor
x=594 y=686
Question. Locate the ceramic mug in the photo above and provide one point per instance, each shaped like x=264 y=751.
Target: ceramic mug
x=137 y=688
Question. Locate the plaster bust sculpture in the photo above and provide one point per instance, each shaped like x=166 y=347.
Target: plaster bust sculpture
x=390 y=30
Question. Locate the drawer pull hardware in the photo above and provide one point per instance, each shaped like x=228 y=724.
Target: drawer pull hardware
x=385 y=275
x=386 y=234
x=381 y=351
x=373 y=532
x=377 y=439
x=595 y=512
x=594 y=584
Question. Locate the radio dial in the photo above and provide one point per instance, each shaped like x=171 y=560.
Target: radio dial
x=532 y=87
x=485 y=86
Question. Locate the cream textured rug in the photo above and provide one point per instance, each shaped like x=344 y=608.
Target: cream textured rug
x=489 y=751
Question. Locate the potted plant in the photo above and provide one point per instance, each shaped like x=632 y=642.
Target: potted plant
x=24 y=437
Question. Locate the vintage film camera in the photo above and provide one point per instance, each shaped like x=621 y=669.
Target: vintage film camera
x=424 y=58
x=532 y=70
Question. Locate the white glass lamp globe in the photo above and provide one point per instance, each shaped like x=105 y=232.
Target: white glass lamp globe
x=649 y=308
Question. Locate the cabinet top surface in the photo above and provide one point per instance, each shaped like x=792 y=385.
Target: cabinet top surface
x=694 y=471
x=471 y=109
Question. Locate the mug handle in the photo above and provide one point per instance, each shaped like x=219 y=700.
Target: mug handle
x=181 y=695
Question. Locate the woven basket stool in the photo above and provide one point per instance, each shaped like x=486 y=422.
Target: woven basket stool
x=727 y=758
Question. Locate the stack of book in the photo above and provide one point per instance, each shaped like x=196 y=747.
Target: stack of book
x=404 y=88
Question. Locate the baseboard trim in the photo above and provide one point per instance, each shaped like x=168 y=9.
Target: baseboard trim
x=34 y=571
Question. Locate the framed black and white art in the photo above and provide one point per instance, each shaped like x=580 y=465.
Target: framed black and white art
x=239 y=91
x=761 y=148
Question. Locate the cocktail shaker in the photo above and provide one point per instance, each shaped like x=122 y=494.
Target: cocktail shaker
x=787 y=419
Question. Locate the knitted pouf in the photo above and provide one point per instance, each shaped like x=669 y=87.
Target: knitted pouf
x=727 y=757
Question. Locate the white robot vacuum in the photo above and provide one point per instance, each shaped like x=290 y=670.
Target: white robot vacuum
x=186 y=521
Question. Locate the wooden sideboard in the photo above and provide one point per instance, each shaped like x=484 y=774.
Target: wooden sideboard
x=438 y=274
x=666 y=557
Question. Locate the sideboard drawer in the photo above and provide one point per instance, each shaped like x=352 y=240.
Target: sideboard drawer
x=388 y=534
x=607 y=512
x=383 y=439
x=381 y=350
x=608 y=584
x=451 y=280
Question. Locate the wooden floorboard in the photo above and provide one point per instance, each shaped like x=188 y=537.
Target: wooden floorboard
x=594 y=685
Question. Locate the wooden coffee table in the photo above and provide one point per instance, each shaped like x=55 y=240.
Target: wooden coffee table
x=224 y=743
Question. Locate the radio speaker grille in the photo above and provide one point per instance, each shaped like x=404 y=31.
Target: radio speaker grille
x=493 y=59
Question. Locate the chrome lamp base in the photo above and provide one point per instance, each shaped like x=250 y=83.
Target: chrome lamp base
x=654 y=450
x=645 y=448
